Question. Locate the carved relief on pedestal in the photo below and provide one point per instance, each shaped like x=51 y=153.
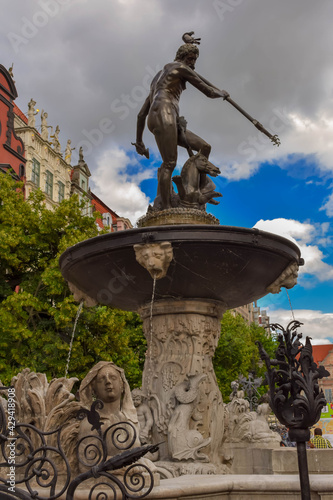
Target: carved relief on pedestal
x=245 y=426
x=171 y=374
x=182 y=337
x=184 y=442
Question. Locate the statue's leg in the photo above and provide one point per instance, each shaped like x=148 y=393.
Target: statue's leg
x=195 y=142
x=166 y=140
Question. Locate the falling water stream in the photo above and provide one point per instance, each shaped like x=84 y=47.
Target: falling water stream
x=73 y=333
x=150 y=349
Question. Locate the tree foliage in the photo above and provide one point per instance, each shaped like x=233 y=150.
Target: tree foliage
x=37 y=310
x=237 y=353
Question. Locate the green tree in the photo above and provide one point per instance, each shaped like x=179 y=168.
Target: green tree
x=37 y=310
x=237 y=352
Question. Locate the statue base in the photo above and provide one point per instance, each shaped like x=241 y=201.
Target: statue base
x=173 y=216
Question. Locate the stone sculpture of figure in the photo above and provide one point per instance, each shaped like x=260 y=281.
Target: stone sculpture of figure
x=81 y=160
x=236 y=393
x=68 y=151
x=145 y=416
x=249 y=426
x=107 y=382
x=44 y=127
x=185 y=443
x=55 y=141
x=32 y=113
x=161 y=108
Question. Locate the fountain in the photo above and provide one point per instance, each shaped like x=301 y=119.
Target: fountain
x=181 y=270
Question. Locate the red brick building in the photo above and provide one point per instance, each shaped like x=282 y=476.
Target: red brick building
x=12 y=154
x=323 y=355
x=109 y=219
x=38 y=161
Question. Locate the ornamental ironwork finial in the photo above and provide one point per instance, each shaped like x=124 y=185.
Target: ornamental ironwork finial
x=295 y=396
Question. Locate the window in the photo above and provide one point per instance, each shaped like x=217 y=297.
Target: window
x=35 y=174
x=83 y=185
x=106 y=219
x=21 y=171
x=49 y=184
x=61 y=191
x=328 y=395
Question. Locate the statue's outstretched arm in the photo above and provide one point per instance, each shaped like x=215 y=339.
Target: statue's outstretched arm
x=203 y=85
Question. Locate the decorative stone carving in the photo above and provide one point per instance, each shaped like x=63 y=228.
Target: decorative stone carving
x=38 y=400
x=55 y=140
x=174 y=216
x=47 y=406
x=44 y=125
x=287 y=279
x=32 y=113
x=107 y=383
x=145 y=416
x=185 y=443
x=181 y=343
x=68 y=151
x=80 y=296
x=236 y=393
x=245 y=426
x=155 y=257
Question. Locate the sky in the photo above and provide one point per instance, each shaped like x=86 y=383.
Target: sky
x=89 y=66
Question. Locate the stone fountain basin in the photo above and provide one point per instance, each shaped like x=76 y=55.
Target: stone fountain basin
x=231 y=265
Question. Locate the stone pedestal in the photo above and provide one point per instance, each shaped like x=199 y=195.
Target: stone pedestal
x=182 y=336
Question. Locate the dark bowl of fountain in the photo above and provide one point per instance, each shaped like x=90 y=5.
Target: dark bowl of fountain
x=231 y=265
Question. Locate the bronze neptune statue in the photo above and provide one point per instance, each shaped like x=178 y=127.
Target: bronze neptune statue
x=161 y=109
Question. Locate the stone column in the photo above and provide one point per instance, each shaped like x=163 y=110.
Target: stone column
x=182 y=336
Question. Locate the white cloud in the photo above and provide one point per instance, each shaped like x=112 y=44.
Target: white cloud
x=117 y=189
x=237 y=171
x=316 y=324
x=270 y=81
x=328 y=206
x=299 y=134
x=305 y=236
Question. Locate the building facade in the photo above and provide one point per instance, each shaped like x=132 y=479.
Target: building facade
x=252 y=313
x=80 y=175
x=46 y=168
x=109 y=219
x=32 y=152
x=12 y=152
x=323 y=355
